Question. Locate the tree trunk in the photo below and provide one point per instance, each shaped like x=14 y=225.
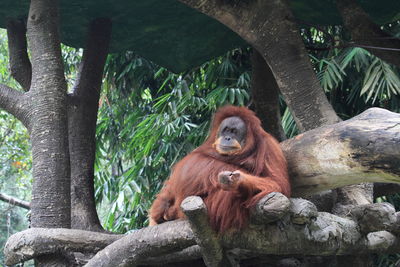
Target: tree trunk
x=265 y=95
x=51 y=201
x=83 y=107
x=51 y=194
x=82 y=111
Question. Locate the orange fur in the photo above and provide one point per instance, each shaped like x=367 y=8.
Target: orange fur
x=261 y=163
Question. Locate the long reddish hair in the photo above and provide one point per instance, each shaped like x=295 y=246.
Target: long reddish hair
x=261 y=152
x=197 y=174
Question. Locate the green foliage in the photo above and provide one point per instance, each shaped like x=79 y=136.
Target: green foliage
x=150 y=118
x=15 y=160
x=353 y=78
x=72 y=58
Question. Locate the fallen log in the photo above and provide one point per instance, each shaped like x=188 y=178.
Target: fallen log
x=365 y=148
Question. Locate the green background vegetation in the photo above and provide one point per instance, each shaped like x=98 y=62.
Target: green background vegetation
x=150 y=117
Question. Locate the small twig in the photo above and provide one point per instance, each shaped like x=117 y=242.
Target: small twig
x=15 y=201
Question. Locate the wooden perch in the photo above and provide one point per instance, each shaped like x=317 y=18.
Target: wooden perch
x=35 y=242
x=196 y=212
x=317 y=233
x=147 y=242
x=365 y=148
x=375 y=217
x=270 y=208
x=302 y=211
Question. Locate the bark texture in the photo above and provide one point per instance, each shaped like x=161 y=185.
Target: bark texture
x=82 y=117
x=365 y=148
x=134 y=248
x=51 y=200
x=302 y=231
x=265 y=95
x=196 y=212
x=42 y=241
x=20 y=65
x=365 y=33
x=270 y=208
x=15 y=103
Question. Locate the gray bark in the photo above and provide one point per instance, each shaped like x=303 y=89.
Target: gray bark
x=196 y=212
x=270 y=208
x=188 y=254
x=270 y=28
x=365 y=148
x=365 y=33
x=15 y=103
x=82 y=116
x=20 y=65
x=42 y=241
x=147 y=242
x=51 y=200
x=265 y=95
x=316 y=233
x=375 y=217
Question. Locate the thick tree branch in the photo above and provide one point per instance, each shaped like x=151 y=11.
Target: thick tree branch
x=367 y=34
x=190 y=253
x=36 y=242
x=270 y=208
x=303 y=231
x=82 y=117
x=147 y=242
x=14 y=102
x=20 y=65
x=265 y=95
x=365 y=148
x=196 y=212
x=15 y=201
x=94 y=56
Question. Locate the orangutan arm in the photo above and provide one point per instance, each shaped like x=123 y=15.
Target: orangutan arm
x=249 y=185
x=161 y=205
